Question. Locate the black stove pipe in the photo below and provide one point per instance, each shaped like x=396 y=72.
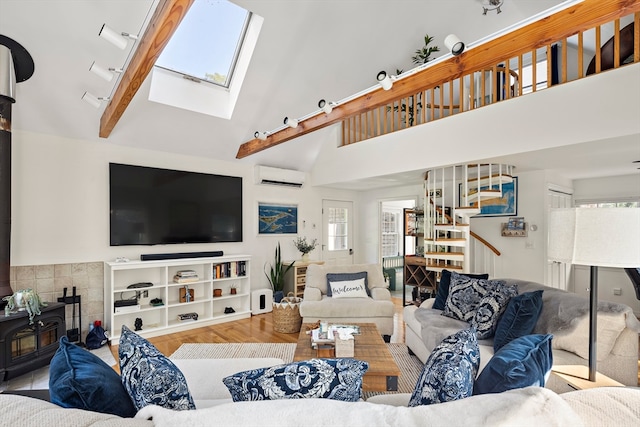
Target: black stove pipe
x=16 y=65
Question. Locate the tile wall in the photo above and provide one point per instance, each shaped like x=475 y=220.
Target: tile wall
x=50 y=280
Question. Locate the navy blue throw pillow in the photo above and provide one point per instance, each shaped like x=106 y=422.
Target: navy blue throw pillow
x=150 y=377
x=338 y=379
x=443 y=287
x=341 y=277
x=519 y=318
x=79 y=379
x=450 y=370
x=523 y=362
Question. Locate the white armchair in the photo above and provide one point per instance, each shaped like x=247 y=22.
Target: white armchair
x=378 y=308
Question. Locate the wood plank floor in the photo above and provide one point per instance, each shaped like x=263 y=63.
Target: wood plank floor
x=256 y=329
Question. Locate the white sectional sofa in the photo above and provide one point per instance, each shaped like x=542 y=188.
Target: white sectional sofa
x=565 y=315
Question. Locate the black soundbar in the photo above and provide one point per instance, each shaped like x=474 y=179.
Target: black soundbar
x=178 y=255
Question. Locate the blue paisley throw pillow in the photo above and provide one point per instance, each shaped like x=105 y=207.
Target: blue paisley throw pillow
x=490 y=308
x=149 y=377
x=445 y=283
x=450 y=370
x=465 y=294
x=338 y=379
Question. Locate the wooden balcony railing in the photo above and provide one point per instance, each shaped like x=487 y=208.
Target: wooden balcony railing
x=490 y=72
x=555 y=50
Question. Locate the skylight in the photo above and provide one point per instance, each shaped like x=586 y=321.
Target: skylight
x=207 y=43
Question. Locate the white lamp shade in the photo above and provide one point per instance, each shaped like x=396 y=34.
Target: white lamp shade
x=604 y=237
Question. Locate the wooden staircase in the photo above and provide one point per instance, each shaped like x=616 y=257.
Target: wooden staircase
x=462 y=190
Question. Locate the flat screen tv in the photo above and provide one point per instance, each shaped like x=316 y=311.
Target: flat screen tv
x=152 y=206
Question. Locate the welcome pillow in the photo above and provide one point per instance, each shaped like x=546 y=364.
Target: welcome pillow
x=348 y=289
x=341 y=277
x=149 y=377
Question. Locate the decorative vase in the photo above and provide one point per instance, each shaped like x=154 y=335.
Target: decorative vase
x=217 y=292
x=305 y=257
x=233 y=291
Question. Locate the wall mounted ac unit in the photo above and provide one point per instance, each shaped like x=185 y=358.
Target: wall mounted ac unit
x=278 y=176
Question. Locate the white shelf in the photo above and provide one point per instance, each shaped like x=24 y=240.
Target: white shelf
x=119 y=275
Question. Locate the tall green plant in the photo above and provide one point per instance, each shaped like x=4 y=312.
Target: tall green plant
x=277 y=271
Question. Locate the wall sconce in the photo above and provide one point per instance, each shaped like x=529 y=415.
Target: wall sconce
x=260 y=135
x=488 y=5
x=325 y=106
x=292 y=123
x=115 y=38
x=384 y=80
x=94 y=100
x=106 y=74
x=454 y=44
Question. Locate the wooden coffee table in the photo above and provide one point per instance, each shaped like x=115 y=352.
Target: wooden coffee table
x=369 y=346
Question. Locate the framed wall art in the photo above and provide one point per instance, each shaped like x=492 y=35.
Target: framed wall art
x=506 y=205
x=275 y=218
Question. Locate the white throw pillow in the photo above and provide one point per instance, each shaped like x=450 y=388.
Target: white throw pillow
x=348 y=289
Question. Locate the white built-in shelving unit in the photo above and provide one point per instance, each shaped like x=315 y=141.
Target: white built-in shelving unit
x=224 y=273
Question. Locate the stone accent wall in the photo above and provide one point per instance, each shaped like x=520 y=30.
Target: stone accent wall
x=49 y=280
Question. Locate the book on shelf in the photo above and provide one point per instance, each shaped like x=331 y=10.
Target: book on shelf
x=187 y=273
x=229 y=269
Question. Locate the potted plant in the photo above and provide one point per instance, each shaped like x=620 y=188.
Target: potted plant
x=276 y=275
x=305 y=247
x=25 y=299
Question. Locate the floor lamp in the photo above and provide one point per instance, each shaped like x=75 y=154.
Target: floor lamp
x=597 y=237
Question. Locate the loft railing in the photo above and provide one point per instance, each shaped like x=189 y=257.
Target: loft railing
x=555 y=50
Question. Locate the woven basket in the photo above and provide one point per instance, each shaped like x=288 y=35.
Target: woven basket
x=286 y=315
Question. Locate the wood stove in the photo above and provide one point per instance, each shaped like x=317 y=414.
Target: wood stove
x=25 y=347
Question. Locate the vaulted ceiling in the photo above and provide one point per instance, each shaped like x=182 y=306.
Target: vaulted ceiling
x=307 y=50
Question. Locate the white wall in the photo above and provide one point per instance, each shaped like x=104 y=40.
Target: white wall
x=60 y=203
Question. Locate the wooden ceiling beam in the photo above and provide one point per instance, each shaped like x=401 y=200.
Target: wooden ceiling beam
x=163 y=24
x=579 y=17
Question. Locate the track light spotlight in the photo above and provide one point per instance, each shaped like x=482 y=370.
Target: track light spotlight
x=325 y=106
x=292 y=123
x=115 y=38
x=384 y=80
x=106 y=74
x=260 y=135
x=94 y=100
x=454 y=44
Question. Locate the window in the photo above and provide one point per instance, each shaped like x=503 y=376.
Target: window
x=390 y=236
x=206 y=44
x=624 y=204
x=337 y=227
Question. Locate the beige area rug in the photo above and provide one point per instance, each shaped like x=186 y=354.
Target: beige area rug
x=410 y=366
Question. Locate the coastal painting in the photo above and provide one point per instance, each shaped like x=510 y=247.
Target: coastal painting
x=505 y=205
x=277 y=218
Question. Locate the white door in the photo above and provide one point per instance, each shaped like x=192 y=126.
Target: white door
x=558 y=273
x=337 y=232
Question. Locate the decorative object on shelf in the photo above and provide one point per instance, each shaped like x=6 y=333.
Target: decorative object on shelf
x=515 y=227
x=138 y=324
x=217 y=292
x=305 y=247
x=229 y=310
x=186 y=294
x=276 y=274
x=188 y=316
x=185 y=276
x=25 y=299
x=489 y=5
x=234 y=289
x=156 y=302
